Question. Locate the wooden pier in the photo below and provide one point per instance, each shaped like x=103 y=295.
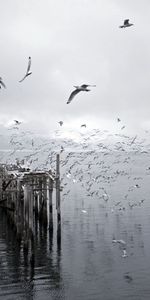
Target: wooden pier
x=27 y=199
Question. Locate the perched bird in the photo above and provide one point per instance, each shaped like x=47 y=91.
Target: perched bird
x=83 y=125
x=28 y=70
x=61 y=123
x=2 y=83
x=126 y=24
x=17 y=122
x=82 y=88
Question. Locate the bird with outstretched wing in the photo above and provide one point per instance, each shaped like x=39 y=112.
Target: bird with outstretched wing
x=28 y=70
x=2 y=83
x=82 y=88
x=126 y=24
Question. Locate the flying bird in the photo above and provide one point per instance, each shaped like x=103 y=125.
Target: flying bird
x=2 y=83
x=28 y=70
x=82 y=88
x=17 y=122
x=118 y=119
x=83 y=125
x=123 y=127
x=60 y=123
x=126 y=24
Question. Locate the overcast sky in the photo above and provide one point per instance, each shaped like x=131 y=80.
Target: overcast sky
x=72 y=42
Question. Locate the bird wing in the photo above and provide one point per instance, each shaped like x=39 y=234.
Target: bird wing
x=2 y=83
x=73 y=94
x=23 y=78
x=84 y=86
x=28 y=69
x=29 y=64
x=126 y=22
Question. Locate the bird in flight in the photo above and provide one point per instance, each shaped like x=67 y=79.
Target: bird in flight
x=126 y=24
x=123 y=127
x=82 y=88
x=118 y=119
x=28 y=70
x=17 y=122
x=60 y=123
x=2 y=83
x=83 y=125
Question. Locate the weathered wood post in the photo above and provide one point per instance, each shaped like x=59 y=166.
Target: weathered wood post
x=58 y=199
x=50 y=185
x=40 y=198
x=44 y=204
x=36 y=210
x=19 y=210
x=26 y=216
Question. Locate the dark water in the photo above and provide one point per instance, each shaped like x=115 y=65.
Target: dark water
x=87 y=265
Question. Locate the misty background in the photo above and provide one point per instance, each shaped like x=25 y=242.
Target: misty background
x=72 y=42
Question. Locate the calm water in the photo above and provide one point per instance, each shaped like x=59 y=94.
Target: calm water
x=88 y=265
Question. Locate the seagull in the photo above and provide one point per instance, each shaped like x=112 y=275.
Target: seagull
x=83 y=125
x=17 y=122
x=124 y=253
x=126 y=24
x=123 y=127
x=2 y=83
x=28 y=70
x=83 y=87
x=61 y=123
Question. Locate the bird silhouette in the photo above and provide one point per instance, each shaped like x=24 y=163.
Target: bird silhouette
x=17 y=122
x=126 y=24
x=60 y=123
x=2 y=83
x=28 y=70
x=83 y=125
x=82 y=88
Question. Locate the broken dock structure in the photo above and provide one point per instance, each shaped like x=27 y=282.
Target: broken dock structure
x=27 y=199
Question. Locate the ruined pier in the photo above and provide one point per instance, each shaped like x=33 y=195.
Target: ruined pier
x=27 y=199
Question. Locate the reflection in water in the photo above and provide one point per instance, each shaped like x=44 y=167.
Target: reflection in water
x=22 y=278
x=85 y=263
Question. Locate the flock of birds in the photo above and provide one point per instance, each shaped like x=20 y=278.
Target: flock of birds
x=89 y=163
x=96 y=161
x=100 y=181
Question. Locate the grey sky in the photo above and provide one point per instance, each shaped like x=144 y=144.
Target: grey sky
x=72 y=42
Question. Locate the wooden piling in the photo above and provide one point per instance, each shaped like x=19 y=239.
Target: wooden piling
x=58 y=199
x=25 y=199
x=50 y=191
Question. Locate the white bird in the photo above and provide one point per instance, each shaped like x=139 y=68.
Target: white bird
x=124 y=253
x=28 y=70
x=2 y=83
x=126 y=24
x=82 y=88
x=122 y=242
x=84 y=211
